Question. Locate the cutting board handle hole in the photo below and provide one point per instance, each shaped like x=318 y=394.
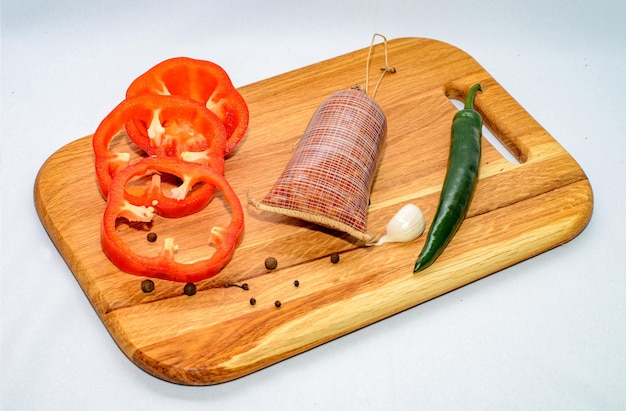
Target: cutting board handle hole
x=492 y=139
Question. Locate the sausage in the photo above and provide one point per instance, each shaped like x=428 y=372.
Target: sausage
x=329 y=178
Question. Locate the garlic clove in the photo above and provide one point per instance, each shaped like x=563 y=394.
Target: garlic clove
x=406 y=225
x=381 y=240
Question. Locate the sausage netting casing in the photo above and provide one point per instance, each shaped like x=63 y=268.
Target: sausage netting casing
x=329 y=178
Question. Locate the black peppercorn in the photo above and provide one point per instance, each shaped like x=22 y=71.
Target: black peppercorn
x=334 y=258
x=277 y=303
x=243 y=286
x=151 y=237
x=296 y=283
x=147 y=286
x=271 y=263
x=252 y=301
x=190 y=289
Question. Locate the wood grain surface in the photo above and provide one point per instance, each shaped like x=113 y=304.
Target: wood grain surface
x=518 y=211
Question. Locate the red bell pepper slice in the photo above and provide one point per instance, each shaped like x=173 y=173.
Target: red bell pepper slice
x=199 y=80
x=181 y=128
x=164 y=265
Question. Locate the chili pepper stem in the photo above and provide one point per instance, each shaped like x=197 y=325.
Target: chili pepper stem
x=469 y=100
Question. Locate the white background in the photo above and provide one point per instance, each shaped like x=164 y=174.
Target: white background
x=546 y=334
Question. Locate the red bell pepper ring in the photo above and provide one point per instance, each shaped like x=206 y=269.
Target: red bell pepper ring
x=164 y=265
x=181 y=128
x=199 y=80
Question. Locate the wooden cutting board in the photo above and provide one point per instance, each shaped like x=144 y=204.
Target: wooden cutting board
x=518 y=211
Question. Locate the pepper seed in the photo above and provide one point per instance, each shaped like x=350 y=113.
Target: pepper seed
x=252 y=301
x=334 y=258
x=271 y=263
x=147 y=286
x=151 y=237
x=277 y=304
x=296 y=283
x=190 y=289
x=243 y=286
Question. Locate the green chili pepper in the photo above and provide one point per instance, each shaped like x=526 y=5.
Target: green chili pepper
x=459 y=184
